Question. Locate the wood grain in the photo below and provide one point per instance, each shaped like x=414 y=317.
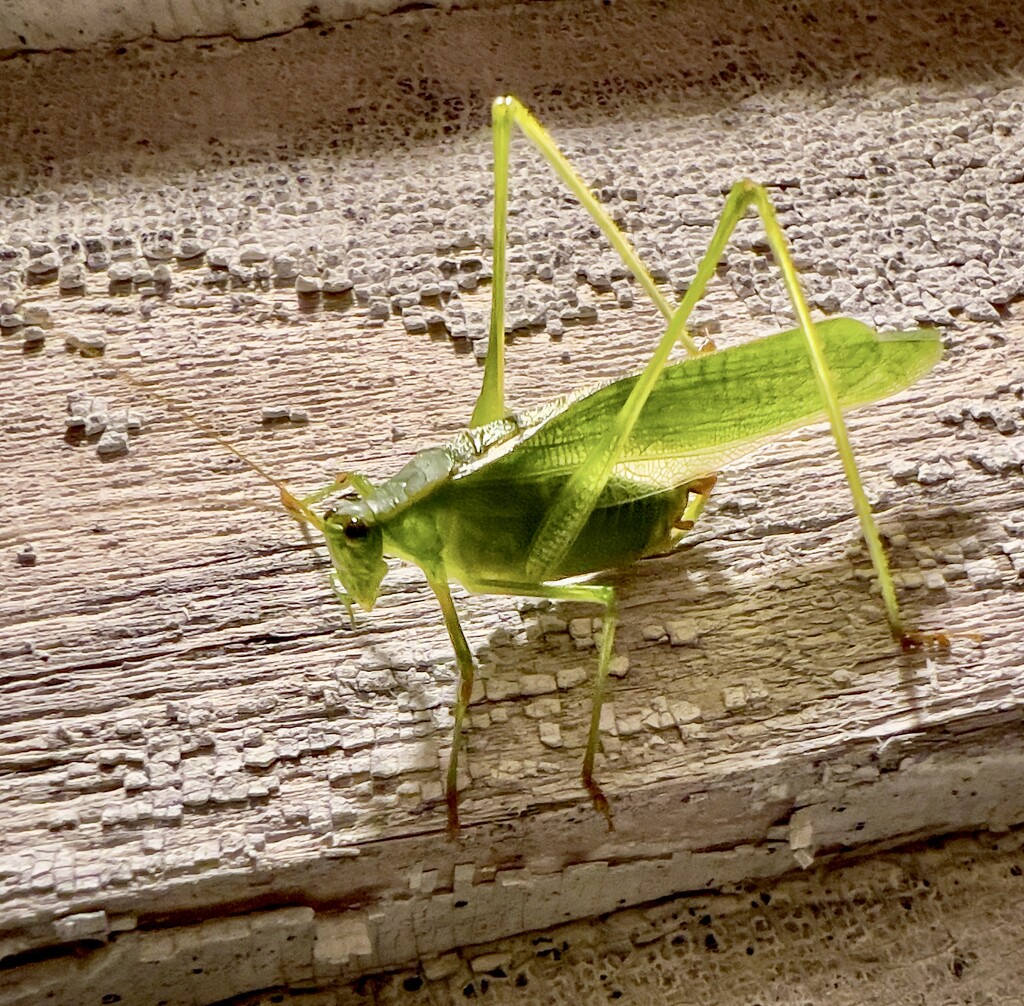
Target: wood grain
x=202 y=763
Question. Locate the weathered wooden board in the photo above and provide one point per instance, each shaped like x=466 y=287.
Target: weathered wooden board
x=204 y=764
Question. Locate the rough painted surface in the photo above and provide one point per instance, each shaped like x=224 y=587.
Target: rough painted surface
x=936 y=924
x=84 y=24
x=201 y=762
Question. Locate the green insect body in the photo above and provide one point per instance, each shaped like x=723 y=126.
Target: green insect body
x=468 y=510
x=527 y=503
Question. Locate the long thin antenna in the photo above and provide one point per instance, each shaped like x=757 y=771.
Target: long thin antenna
x=292 y=504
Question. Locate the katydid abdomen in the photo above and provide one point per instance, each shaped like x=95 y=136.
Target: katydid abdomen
x=486 y=529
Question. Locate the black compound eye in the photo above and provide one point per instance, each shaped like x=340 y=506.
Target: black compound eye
x=355 y=529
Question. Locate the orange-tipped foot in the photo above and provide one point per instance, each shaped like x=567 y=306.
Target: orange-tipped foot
x=291 y=504
x=934 y=641
x=599 y=800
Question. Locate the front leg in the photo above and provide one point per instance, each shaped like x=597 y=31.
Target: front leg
x=464 y=659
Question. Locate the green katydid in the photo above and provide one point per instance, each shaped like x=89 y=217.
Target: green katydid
x=527 y=503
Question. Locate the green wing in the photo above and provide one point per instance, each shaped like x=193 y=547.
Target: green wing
x=707 y=410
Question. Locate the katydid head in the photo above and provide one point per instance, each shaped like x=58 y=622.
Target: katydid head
x=356 y=544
